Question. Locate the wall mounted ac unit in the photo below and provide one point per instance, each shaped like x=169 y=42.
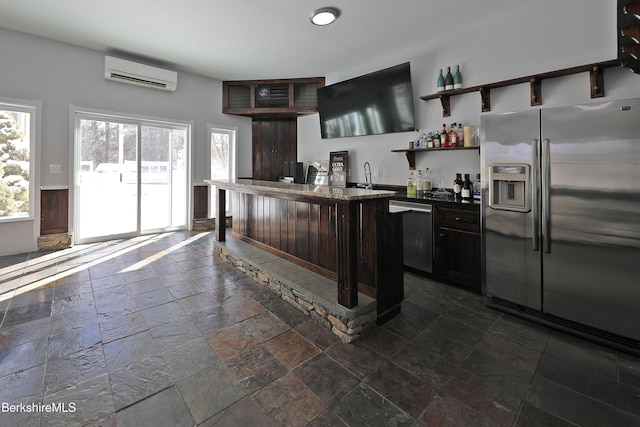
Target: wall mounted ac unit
x=138 y=74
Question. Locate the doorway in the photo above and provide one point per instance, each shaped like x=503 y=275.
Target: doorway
x=130 y=177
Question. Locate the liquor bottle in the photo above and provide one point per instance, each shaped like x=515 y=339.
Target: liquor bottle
x=440 y=83
x=457 y=79
x=476 y=187
x=419 y=184
x=467 y=188
x=436 y=140
x=448 y=80
x=443 y=136
x=426 y=183
x=411 y=185
x=452 y=137
x=457 y=186
x=460 y=135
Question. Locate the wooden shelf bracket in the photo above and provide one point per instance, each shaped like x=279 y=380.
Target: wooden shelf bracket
x=536 y=91
x=445 y=100
x=485 y=96
x=596 y=77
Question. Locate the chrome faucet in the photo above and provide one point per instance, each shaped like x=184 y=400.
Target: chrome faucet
x=367 y=176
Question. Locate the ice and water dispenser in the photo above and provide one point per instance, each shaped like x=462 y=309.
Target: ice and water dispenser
x=509 y=187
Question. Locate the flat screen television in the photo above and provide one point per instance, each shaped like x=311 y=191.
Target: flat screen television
x=376 y=103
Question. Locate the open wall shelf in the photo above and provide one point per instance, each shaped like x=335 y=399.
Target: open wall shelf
x=411 y=152
x=595 y=70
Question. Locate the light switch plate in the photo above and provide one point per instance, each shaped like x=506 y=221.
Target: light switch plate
x=55 y=168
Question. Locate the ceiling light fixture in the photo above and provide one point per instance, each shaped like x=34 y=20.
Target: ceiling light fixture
x=324 y=15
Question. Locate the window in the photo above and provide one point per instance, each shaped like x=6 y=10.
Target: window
x=222 y=157
x=17 y=160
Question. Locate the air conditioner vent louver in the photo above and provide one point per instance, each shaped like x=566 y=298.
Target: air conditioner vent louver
x=138 y=74
x=137 y=80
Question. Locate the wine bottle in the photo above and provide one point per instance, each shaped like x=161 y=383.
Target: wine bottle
x=448 y=80
x=457 y=186
x=440 y=83
x=460 y=135
x=457 y=79
x=476 y=187
x=467 y=188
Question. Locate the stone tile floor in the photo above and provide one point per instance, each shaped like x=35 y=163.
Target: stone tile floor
x=154 y=331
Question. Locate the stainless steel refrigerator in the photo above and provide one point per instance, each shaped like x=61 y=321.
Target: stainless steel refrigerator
x=561 y=217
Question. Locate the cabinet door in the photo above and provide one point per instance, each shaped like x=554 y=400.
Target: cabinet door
x=274 y=141
x=54 y=211
x=457 y=246
x=458 y=256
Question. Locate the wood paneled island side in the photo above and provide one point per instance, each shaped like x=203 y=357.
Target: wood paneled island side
x=344 y=234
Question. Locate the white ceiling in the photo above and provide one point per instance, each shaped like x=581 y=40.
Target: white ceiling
x=248 y=39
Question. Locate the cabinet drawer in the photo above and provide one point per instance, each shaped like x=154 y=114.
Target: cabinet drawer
x=458 y=219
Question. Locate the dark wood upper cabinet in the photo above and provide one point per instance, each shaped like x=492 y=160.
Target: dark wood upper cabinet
x=274 y=141
x=271 y=98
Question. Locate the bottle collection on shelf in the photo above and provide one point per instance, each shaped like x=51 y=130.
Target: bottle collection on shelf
x=449 y=81
x=419 y=186
x=455 y=136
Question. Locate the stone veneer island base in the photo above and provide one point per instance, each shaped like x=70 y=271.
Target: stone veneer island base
x=311 y=293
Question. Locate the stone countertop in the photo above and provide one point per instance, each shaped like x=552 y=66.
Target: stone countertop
x=339 y=193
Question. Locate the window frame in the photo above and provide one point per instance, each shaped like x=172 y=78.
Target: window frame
x=34 y=108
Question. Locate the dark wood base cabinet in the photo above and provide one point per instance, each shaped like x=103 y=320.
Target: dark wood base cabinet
x=346 y=235
x=457 y=245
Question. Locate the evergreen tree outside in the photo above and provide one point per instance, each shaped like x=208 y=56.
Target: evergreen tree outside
x=14 y=163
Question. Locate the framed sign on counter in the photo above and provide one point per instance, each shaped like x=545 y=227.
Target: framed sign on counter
x=318 y=173
x=338 y=167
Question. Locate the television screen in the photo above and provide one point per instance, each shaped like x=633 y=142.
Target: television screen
x=376 y=103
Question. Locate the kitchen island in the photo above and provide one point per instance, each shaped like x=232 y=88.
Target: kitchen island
x=344 y=234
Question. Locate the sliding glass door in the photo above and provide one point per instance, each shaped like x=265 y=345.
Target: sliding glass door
x=131 y=177
x=163 y=178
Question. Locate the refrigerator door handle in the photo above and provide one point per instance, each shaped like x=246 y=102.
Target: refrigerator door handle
x=535 y=191
x=546 y=176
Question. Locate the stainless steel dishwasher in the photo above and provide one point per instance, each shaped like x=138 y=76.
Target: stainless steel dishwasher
x=417 y=233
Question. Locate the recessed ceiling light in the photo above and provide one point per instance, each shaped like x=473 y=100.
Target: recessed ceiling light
x=324 y=15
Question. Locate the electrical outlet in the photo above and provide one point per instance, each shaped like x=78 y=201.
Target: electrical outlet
x=55 y=168
x=376 y=172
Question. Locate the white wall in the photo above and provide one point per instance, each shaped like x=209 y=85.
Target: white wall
x=549 y=35
x=60 y=75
